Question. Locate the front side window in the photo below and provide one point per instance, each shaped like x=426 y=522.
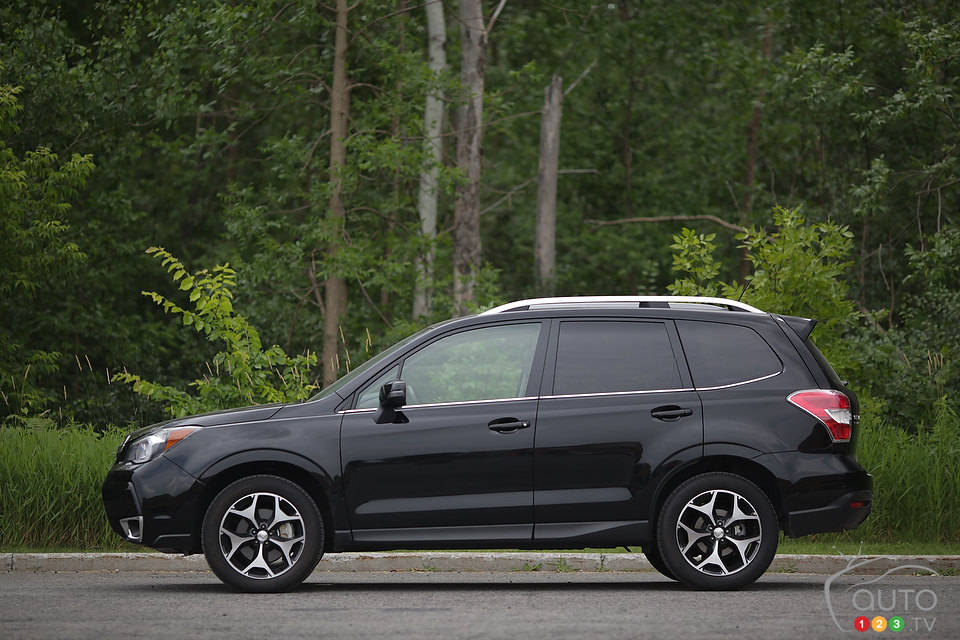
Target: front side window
x=614 y=356
x=479 y=364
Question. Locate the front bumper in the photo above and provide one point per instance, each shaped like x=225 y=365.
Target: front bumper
x=156 y=504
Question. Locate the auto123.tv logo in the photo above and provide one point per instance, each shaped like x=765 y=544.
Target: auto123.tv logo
x=878 y=602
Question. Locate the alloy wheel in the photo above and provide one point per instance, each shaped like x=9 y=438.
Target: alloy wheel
x=262 y=535
x=719 y=532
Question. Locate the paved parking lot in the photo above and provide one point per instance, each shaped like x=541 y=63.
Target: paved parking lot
x=432 y=604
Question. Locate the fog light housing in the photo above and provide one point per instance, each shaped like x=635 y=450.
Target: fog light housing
x=132 y=528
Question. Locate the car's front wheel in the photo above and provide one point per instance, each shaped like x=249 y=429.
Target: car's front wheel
x=262 y=533
x=717 y=531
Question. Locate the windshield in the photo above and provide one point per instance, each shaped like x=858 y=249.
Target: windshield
x=386 y=355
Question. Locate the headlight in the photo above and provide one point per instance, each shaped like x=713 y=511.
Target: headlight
x=151 y=445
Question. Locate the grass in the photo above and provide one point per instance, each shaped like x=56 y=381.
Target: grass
x=916 y=479
x=50 y=489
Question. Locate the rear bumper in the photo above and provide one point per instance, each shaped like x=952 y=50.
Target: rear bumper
x=156 y=504
x=846 y=512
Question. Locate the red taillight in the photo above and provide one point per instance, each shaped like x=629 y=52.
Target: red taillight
x=830 y=407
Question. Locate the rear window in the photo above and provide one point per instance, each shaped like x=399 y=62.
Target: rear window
x=725 y=354
x=611 y=356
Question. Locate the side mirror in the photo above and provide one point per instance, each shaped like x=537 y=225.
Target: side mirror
x=393 y=395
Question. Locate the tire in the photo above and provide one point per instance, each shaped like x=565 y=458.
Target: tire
x=717 y=531
x=262 y=534
x=652 y=553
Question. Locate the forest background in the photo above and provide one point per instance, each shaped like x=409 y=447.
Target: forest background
x=326 y=178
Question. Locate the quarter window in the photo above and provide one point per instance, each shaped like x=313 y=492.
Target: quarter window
x=611 y=356
x=370 y=396
x=723 y=354
x=480 y=364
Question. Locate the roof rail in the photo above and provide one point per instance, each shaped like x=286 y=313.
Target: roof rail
x=620 y=301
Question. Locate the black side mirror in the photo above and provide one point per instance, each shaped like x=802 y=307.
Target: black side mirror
x=393 y=395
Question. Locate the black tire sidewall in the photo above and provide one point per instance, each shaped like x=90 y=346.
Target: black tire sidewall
x=313 y=533
x=670 y=512
x=652 y=553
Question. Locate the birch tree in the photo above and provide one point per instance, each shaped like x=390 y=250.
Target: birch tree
x=433 y=121
x=466 y=221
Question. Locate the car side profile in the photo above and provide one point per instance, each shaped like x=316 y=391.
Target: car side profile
x=697 y=428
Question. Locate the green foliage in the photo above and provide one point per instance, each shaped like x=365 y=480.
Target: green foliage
x=35 y=250
x=243 y=372
x=797 y=269
x=51 y=488
x=915 y=365
x=693 y=255
x=917 y=486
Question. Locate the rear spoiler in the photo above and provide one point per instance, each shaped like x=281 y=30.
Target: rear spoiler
x=802 y=326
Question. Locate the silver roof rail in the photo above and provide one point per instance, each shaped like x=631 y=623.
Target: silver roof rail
x=618 y=301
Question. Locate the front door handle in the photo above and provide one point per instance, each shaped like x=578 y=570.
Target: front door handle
x=671 y=413
x=507 y=425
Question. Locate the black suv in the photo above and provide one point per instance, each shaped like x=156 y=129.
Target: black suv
x=697 y=428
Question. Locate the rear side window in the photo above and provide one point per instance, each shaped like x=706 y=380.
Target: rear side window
x=724 y=354
x=610 y=356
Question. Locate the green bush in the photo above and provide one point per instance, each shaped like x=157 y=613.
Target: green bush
x=916 y=479
x=243 y=372
x=50 y=488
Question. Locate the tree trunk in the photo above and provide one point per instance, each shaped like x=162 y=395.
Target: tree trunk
x=433 y=126
x=749 y=178
x=335 y=289
x=545 y=255
x=466 y=221
x=627 y=150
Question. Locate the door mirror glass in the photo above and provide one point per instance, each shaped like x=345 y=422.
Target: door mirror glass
x=393 y=395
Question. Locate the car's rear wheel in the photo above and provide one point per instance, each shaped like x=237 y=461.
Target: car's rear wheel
x=717 y=531
x=262 y=533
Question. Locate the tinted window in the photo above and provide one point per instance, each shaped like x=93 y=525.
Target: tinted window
x=480 y=364
x=370 y=396
x=721 y=354
x=598 y=357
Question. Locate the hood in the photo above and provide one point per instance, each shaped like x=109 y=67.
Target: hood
x=215 y=418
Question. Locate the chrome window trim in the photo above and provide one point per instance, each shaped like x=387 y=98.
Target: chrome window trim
x=737 y=384
x=446 y=404
x=599 y=394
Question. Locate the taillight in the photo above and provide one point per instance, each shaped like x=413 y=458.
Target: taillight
x=830 y=407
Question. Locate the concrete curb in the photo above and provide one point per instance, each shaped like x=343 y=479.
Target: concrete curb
x=460 y=561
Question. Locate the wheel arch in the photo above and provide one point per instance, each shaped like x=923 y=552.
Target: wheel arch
x=292 y=467
x=748 y=468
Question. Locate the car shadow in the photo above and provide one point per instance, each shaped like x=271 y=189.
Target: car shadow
x=399 y=584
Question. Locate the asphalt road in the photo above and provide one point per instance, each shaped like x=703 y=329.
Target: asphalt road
x=399 y=605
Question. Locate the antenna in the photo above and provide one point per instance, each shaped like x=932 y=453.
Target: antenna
x=746 y=286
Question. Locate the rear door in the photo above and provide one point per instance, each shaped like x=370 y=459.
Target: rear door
x=617 y=410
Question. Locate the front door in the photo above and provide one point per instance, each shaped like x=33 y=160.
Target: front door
x=458 y=464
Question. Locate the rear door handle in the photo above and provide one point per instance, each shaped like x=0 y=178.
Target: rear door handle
x=507 y=425
x=671 y=413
